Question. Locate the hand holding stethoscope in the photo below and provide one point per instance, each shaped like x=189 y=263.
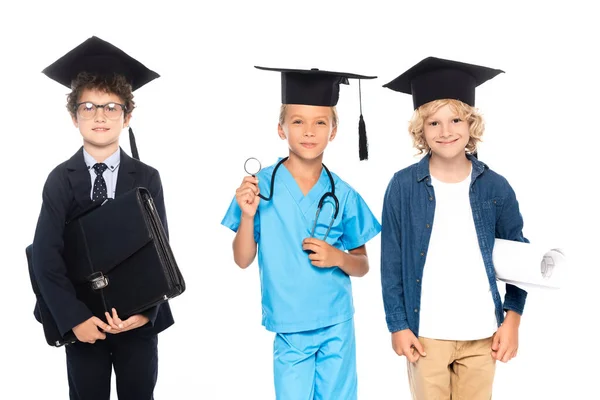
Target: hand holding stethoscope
x=248 y=194
x=321 y=254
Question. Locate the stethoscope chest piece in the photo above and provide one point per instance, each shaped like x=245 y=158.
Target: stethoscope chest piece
x=252 y=166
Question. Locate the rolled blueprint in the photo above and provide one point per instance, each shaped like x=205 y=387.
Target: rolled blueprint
x=528 y=266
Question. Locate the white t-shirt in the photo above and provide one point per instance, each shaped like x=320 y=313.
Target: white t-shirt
x=456 y=303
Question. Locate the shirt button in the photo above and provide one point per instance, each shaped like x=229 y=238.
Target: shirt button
x=427 y=225
x=422 y=254
x=431 y=198
x=416 y=310
x=418 y=280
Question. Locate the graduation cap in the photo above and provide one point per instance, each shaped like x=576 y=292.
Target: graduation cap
x=98 y=57
x=435 y=78
x=314 y=87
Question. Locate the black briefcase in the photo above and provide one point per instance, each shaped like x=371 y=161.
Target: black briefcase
x=118 y=256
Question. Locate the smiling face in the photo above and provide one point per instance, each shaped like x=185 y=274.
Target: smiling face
x=101 y=128
x=307 y=129
x=446 y=128
x=446 y=133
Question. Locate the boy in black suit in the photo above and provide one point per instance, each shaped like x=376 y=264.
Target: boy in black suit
x=102 y=79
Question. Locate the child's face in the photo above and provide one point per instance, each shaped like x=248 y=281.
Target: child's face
x=308 y=129
x=447 y=135
x=102 y=128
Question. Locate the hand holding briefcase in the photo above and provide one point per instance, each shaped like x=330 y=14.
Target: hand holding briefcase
x=118 y=256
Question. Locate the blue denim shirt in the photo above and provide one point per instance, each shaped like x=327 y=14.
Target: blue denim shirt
x=407 y=221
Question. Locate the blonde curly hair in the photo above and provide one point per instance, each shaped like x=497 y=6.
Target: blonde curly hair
x=464 y=111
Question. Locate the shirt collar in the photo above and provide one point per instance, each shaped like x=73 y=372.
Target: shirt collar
x=111 y=162
x=423 y=167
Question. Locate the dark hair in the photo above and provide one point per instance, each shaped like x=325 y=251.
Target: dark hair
x=115 y=84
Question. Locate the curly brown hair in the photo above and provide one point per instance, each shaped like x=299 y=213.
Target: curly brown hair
x=464 y=111
x=115 y=84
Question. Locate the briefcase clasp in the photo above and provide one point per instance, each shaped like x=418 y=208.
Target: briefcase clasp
x=98 y=280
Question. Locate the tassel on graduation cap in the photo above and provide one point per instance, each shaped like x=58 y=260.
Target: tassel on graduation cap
x=134 y=150
x=363 y=145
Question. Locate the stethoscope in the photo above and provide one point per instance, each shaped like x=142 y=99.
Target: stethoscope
x=321 y=201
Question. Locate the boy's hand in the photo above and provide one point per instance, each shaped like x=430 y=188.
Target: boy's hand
x=87 y=331
x=322 y=254
x=405 y=343
x=506 y=339
x=119 y=326
x=247 y=196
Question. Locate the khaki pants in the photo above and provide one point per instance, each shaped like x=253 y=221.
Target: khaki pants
x=457 y=370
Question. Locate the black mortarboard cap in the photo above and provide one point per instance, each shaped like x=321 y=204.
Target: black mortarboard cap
x=101 y=58
x=314 y=87
x=436 y=78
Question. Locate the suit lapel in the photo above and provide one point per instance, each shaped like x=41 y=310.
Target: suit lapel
x=79 y=179
x=81 y=183
x=126 y=178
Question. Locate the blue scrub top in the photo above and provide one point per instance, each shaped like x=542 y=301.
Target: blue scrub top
x=297 y=296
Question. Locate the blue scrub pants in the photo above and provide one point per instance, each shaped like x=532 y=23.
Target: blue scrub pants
x=316 y=365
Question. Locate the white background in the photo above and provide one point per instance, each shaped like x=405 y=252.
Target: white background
x=211 y=109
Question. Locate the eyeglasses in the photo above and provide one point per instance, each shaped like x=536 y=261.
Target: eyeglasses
x=87 y=110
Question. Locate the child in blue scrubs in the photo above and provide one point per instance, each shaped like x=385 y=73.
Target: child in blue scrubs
x=305 y=275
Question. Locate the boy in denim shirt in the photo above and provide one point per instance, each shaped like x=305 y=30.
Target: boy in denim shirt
x=440 y=219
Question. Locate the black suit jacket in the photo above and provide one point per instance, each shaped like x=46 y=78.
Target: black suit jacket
x=67 y=193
